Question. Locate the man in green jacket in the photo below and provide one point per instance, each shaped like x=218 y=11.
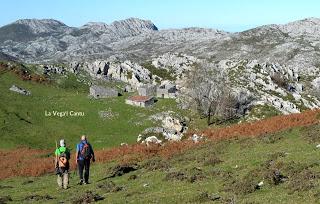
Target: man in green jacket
x=62 y=158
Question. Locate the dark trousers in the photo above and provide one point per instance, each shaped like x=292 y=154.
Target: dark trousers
x=84 y=165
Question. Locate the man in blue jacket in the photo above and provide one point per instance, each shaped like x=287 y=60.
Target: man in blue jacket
x=84 y=155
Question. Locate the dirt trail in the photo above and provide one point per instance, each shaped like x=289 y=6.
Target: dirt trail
x=31 y=162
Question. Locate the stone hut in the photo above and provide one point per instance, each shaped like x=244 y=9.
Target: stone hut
x=128 y=89
x=141 y=101
x=147 y=90
x=167 y=91
x=103 y=92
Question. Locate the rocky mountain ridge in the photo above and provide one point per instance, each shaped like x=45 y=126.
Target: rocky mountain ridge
x=295 y=44
x=42 y=26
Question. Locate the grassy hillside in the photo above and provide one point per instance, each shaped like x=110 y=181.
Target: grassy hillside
x=227 y=171
x=23 y=121
x=286 y=163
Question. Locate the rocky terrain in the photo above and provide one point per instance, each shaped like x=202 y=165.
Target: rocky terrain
x=132 y=50
x=295 y=44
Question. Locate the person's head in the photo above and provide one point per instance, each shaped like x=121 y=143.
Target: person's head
x=62 y=143
x=83 y=138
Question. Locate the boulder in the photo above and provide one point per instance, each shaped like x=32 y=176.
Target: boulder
x=173 y=136
x=170 y=122
x=19 y=90
x=172 y=125
x=151 y=140
x=196 y=138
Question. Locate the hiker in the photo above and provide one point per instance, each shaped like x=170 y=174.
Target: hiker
x=83 y=156
x=62 y=164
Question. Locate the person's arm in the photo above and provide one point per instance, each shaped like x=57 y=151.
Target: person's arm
x=68 y=154
x=56 y=161
x=77 y=152
x=92 y=153
x=56 y=158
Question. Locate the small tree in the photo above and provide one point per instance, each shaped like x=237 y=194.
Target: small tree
x=208 y=91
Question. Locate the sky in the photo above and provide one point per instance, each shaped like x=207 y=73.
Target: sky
x=228 y=15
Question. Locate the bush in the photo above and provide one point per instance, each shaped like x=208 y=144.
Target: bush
x=71 y=82
x=280 y=80
x=163 y=73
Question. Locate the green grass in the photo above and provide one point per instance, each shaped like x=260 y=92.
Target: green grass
x=163 y=73
x=42 y=131
x=263 y=111
x=242 y=163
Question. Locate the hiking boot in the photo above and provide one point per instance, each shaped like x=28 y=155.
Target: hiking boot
x=81 y=182
x=86 y=183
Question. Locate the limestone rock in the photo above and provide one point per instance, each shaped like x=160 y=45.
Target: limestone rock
x=151 y=140
x=19 y=90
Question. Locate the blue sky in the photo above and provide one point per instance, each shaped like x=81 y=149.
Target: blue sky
x=229 y=15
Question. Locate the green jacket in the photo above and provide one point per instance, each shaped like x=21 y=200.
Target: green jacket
x=61 y=150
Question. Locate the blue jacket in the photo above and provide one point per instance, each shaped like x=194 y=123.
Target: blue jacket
x=79 y=148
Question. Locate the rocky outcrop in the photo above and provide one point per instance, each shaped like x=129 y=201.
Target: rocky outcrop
x=172 y=127
x=175 y=62
x=127 y=71
x=149 y=140
x=20 y=90
x=53 y=69
x=270 y=84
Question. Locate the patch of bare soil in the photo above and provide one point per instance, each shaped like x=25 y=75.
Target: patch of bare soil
x=87 y=197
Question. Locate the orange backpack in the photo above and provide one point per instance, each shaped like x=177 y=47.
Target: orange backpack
x=62 y=160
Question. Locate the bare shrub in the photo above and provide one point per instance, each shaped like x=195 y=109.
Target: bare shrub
x=280 y=80
x=208 y=91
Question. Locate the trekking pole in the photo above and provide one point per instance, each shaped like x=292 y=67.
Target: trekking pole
x=55 y=160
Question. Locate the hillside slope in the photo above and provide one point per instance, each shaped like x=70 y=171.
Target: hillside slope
x=228 y=171
x=24 y=121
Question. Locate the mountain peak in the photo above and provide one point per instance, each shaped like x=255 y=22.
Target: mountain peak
x=307 y=26
x=41 y=25
x=135 y=23
x=35 y=20
x=311 y=19
x=122 y=28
